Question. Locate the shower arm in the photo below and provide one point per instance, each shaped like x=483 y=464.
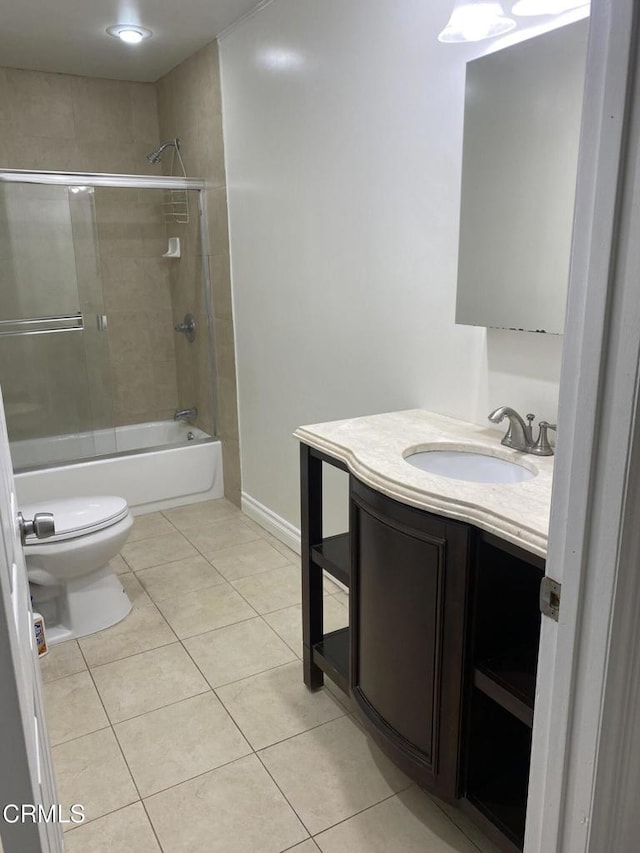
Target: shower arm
x=156 y=155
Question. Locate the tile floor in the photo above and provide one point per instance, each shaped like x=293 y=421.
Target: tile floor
x=187 y=726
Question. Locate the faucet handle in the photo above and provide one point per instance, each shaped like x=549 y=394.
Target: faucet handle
x=542 y=446
x=530 y=418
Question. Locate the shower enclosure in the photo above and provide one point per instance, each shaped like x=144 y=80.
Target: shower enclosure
x=97 y=273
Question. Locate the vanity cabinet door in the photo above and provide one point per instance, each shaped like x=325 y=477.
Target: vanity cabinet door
x=408 y=583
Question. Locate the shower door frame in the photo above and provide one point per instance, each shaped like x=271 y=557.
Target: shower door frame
x=105 y=179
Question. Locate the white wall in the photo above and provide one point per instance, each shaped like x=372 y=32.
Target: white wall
x=343 y=134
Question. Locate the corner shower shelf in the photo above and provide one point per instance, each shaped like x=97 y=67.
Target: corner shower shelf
x=173 y=249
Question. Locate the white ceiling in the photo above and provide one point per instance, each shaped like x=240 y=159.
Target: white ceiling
x=69 y=36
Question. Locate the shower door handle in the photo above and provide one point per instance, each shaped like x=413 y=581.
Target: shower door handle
x=101 y=320
x=42 y=526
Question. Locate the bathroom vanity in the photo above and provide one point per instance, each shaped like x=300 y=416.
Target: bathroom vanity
x=444 y=575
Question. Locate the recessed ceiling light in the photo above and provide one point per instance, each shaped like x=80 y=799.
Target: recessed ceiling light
x=129 y=33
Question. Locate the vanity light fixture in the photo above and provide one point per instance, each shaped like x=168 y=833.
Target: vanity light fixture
x=129 y=33
x=474 y=20
x=529 y=8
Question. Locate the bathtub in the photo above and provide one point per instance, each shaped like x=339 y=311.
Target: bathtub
x=153 y=466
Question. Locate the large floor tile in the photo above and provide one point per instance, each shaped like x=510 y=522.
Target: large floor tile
x=272 y=590
x=467 y=826
x=221 y=535
x=276 y=705
x=407 y=823
x=332 y=772
x=180 y=578
x=287 y=623
x=150 y=525
x=238 y=651
x=198 y=516
x=250 y=558
x=125 y=831
x=236 y=809
x=143 y=629
x=291 y=556
x=168 y=746
x=62 y=659
x=205 y=610
x=154 y=552
x=145 y=682
x=134 y=589
x=73 y=708
x=330 y=586
x=338 y=693
x=342 y=597
x=253 y=525
x=91 y=770
x=118 y=565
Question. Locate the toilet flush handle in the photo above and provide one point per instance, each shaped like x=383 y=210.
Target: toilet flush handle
x=42 y=526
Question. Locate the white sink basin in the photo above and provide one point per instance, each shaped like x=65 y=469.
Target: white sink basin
x=472 y=467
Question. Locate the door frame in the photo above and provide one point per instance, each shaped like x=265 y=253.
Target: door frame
x=589 y=671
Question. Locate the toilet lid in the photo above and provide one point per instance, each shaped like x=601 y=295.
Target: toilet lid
x=77 y=516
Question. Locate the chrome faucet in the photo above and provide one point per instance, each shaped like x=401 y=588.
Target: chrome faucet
x=186 y=414
x=519 y=435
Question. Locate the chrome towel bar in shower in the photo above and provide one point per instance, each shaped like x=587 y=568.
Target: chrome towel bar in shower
x=42 y=325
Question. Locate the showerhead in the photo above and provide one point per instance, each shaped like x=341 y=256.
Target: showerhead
x=156 y=155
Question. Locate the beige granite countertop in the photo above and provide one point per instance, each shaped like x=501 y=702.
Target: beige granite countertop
x=374 y=447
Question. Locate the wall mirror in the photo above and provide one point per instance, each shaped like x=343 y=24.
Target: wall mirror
x=523 y=107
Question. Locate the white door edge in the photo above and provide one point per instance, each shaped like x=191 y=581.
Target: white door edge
x=26 y=773
x=596 y=434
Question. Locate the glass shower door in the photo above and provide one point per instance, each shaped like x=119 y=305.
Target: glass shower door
x=54 y=367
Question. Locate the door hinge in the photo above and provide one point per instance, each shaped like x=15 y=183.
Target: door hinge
x=550 y=598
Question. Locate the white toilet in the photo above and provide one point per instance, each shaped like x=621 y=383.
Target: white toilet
x=70 y=579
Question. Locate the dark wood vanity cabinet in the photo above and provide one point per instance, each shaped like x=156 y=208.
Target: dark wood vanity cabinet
x=407 y=618
x=440 y=656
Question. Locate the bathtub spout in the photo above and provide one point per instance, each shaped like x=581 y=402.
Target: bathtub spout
x=186 y=414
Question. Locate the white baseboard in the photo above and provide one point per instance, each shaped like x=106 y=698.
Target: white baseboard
x=279 y=527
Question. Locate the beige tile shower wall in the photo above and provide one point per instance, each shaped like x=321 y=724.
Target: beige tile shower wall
x=137 y=300
x=67 y=123
x=189 y=107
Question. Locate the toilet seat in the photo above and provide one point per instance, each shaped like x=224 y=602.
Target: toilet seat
x=76 y=517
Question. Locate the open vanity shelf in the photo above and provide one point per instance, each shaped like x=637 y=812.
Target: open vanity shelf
x=504 y=639
x=331 y=655
x=441 y=654
x=332 y=555
x=502 y=643
x=497 y=753
x=322 y=653
x=510 y=680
